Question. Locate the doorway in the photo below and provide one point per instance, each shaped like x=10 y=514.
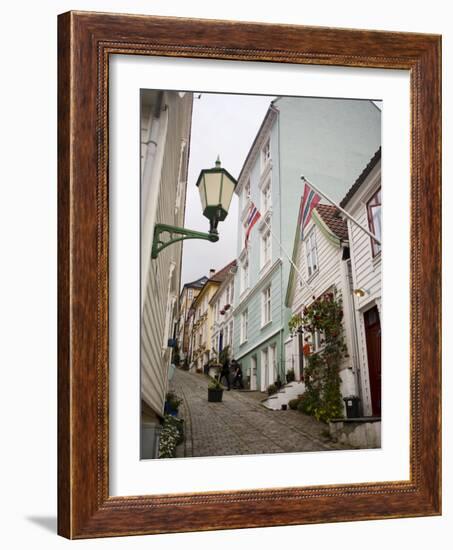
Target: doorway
x=253 y=373
x=373 y=345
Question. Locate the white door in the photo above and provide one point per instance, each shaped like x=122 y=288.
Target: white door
x=264 y=370
x=253 y=373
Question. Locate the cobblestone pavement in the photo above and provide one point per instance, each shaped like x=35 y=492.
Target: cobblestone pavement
x=240 y=425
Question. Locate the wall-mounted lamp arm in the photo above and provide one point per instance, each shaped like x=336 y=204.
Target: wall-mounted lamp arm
x=176 y=234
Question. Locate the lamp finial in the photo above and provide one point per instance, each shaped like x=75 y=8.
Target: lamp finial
x=217 y=162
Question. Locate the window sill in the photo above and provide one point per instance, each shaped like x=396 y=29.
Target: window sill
x=313 y=276
x=266 y=324
x=243 y=342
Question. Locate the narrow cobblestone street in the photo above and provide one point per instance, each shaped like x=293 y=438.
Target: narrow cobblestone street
x=240 y=425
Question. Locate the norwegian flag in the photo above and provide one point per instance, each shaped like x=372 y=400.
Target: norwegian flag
x=308 y=201
x=253 y=215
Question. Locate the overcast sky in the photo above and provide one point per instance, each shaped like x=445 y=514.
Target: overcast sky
x=224 y=125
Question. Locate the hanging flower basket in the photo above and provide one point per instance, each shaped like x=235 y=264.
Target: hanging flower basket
x=226 y=307
x=222 y=312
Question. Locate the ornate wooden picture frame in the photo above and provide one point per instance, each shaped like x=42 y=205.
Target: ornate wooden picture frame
x=85 y=508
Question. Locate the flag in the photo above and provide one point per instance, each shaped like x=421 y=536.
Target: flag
x=308 y=201
x=253 y=216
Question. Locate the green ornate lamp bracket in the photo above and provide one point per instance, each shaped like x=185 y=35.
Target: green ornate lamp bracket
x=176 y=234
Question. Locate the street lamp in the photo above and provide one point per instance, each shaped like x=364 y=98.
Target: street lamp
x=216 y=186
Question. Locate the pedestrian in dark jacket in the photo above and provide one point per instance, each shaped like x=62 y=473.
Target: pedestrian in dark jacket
x=237 y=370
x=225 y=373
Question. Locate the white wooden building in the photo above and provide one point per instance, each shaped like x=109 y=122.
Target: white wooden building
x=322 y=262
x=363 y=202
x=165 y=134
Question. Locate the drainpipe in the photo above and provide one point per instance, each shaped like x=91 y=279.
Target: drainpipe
x=355 y=344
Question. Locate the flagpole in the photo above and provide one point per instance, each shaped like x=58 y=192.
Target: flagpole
x=287 y=255
x=353 y=220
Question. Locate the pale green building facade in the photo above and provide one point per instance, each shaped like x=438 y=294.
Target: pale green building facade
x=326 y=140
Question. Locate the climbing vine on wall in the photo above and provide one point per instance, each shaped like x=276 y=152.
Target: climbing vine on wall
x=322 y=397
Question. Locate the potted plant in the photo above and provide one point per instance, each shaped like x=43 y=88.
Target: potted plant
x=222 y=312
x=226 y=307
x=215 y=391
x=172 y=402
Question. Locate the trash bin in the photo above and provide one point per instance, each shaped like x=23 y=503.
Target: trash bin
x=352 y=406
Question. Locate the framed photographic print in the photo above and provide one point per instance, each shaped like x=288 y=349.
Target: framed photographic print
x=249 y=248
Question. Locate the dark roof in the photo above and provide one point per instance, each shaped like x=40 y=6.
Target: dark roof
x=221 y=275
x=359 y=181
x=227 y=270
x=331 y=217
x=199 y=283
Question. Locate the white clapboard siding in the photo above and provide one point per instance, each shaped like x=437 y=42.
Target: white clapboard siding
x=163 y=278
x=366 y=274
x=329 y=275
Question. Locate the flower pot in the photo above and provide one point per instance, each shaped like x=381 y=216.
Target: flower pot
x=214 y=395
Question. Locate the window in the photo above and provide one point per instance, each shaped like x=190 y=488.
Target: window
x=231 y=334
x=266 y=248
x=265 y=155
x=266 y=198
x=246 y=196
x=266 y=306
x=317 y=340
x=190 y=294
x=244 y=326
x=311 y=252
x=232 y=293
x=245 y=276
x=374 y=220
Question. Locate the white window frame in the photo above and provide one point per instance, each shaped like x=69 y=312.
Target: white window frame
x=266 y=247
x=266 y=306
x=265 y=154
x=246 y=194
x=376 y=229
x=316 y=344
x=266 y=197
x=311 y=253
x=245 y=275
x=244 y=325
x=231 y=333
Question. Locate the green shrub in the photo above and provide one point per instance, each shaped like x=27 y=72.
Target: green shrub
x=290 y=376
x=273 y=388
x=173 y=400
x=293 y=403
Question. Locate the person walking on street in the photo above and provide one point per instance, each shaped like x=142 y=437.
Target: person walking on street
x=237 y=382
x=225 y=373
